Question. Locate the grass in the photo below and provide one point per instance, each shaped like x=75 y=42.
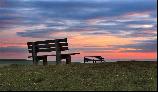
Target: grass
x=120 y=76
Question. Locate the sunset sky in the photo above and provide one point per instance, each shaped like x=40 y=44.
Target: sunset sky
x=114 y=29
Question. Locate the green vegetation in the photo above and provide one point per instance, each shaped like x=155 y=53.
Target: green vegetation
x=120 y=76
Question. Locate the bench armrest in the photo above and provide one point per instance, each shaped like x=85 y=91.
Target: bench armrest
x=71 y=53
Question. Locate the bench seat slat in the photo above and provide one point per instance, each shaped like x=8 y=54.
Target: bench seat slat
x=55 y=55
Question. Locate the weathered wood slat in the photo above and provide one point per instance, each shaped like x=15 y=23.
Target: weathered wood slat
x=30 y=51
x=42 y=50
x=73 y=53
x=43 y=46
x=30 y=43
x=48 y=49
x=63 y=44
x=41 y=42
x=50 y=41
x=55 y=54
x=42 y=55
x=64 y=48
x=62 y=40
x=47 y=45
x=45 y=50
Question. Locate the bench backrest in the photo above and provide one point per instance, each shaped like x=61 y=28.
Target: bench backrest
x=57 y=45
x=48 y=45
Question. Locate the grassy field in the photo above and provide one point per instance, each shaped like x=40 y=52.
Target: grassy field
x=116 y=76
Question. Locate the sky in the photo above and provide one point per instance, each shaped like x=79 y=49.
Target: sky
x=113 y=29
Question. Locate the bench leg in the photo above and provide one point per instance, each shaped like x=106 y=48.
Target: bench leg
x=45 y=60
x=68 y=59
x=35 y=61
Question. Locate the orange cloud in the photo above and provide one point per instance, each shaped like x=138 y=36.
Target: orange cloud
x=103 y=41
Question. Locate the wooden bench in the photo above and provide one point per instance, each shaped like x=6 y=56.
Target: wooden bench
x=56 y=45
x=97 y=58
